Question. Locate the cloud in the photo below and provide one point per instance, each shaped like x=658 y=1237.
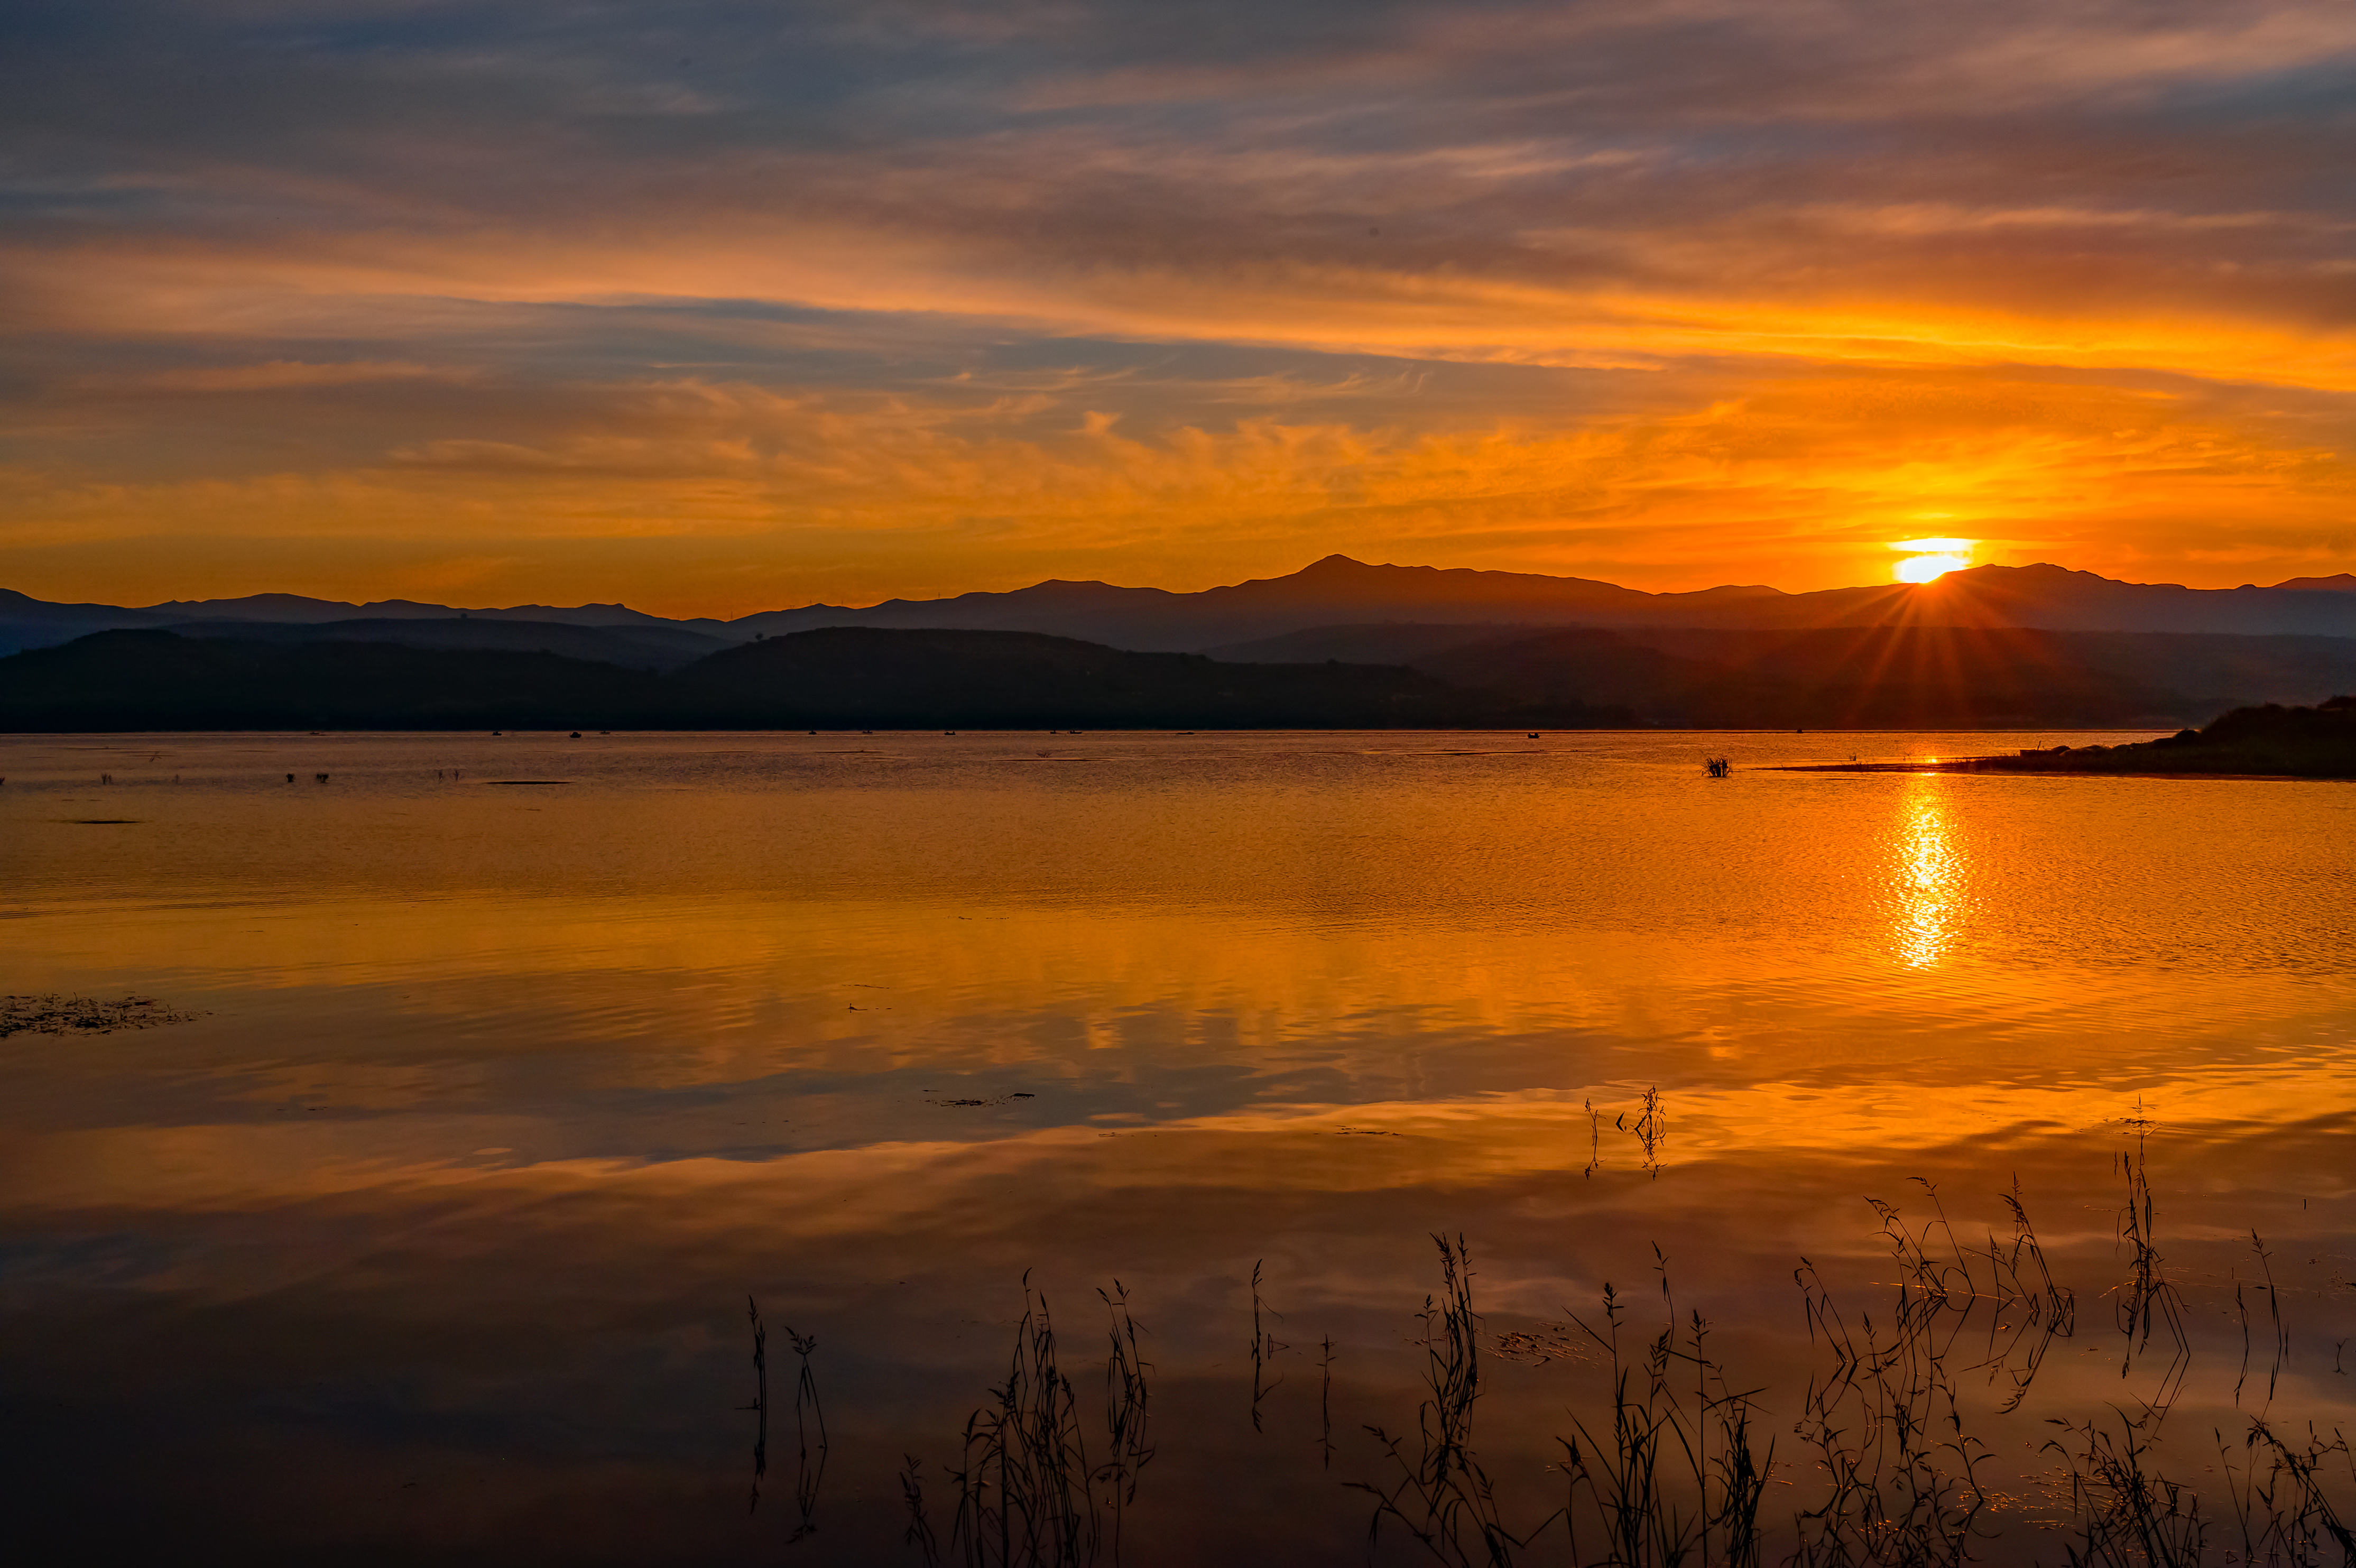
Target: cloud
x=511 y=245
x=278 y=375
x=1730 y=477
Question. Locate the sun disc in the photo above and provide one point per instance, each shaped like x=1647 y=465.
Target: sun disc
x=1930 y=568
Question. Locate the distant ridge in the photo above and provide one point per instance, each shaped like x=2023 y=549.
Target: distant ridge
x=1340 y=591
x=834 y=677
x=386 y=676
x=649 y=645
x=294 y=608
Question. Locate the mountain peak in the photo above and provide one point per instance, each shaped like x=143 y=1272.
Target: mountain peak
x=2035 y=571
x=1339 y=590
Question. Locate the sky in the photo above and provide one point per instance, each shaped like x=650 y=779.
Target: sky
x=716 y=307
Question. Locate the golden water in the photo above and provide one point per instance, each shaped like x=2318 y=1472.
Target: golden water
x=430 y=1234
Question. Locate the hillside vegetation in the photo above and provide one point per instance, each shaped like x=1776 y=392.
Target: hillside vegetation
x=2292 y=742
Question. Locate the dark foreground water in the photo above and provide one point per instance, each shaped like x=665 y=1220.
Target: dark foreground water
x=428 y=1235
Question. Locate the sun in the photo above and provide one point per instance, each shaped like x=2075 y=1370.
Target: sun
x=1929 y=568
x=1927 y=560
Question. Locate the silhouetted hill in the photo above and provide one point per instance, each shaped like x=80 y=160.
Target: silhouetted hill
x=864 y=677
x=157 y=680
x=1889 y=677
x=656 y=646
x=1335 y=589
x=2317 y=742
x=27 y=622
x=1866 y=677
x=298 y=609
x=1338 y=590
x=835 y=679
x=2101 y=677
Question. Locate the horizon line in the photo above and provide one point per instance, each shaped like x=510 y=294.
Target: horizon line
x=1330 y=558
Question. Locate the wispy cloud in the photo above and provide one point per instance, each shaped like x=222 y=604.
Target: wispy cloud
x=1177 y=289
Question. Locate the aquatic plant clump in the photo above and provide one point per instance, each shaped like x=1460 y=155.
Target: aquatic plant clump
x=56 y=1015
x=1889 y=1471
x=1027 y=1491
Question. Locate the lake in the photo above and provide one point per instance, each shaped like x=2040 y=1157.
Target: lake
x=507 y=1070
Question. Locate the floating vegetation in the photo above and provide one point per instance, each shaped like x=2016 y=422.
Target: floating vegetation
x=1548 y=1342
x=56 y=1015
x=1717 y=767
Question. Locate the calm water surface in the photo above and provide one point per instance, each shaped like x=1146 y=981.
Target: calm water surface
x=429 y=1236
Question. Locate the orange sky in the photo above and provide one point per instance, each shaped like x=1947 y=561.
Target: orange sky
x=713 y=308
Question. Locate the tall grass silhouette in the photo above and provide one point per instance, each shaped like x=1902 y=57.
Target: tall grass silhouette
x=1265 y=1347
x=1438 y=1493
x=1027 y=1492
x=810 y=1422
x=1881 y=1461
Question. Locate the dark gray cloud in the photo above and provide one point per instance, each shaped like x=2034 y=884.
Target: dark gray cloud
x=1517 y=141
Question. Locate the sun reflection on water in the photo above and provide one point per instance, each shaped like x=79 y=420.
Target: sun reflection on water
x=1929 y=875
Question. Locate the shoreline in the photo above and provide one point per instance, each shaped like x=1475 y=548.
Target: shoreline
x=2027 y=768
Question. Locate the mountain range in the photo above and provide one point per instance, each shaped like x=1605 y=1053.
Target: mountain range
x=1336 y=591
x=1340 y=644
